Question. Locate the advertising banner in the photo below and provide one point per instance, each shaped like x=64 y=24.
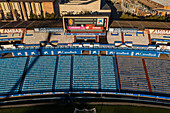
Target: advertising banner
x=100 y=21
x=11 y=31
x=124 y=30
x=84 y=27
x=47 y=30
x=159 y=32
x=102 y=34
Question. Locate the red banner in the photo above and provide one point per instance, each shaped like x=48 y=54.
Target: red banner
x=87 y=27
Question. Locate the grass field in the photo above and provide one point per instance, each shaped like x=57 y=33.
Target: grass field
x=70 y=109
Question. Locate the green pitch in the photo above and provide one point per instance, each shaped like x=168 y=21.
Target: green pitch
x=70 y=109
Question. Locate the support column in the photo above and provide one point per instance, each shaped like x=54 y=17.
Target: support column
x=122 y=36
x=13 y=12
x=149 y=37
x=23 y=11
x=97 y=38
x=23 y=35
x=118 y=72
x=147 y=76
x=74 y=38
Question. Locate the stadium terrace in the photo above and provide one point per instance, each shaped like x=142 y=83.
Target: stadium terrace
x=85 y=57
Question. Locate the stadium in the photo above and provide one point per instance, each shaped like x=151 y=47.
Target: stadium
x=85 y=58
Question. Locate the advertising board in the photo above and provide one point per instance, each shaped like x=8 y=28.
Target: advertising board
x=47 y=30
x=159 y=32
x=84 y=28
x=11 y=31
x=124 y=30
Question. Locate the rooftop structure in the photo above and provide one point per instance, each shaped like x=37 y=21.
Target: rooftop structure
x=146 y=7
x=79 y=6
x=162 y=2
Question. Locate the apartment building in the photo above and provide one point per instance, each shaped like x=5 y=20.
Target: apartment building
x=146 y=7
x=21 y=9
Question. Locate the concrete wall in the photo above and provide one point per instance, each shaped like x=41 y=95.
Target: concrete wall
x=111 y=39
x=35 y=38
x=62 y=38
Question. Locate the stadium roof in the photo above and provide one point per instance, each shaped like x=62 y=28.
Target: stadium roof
x=149 y=4
x=32 y=24
x=141 y=25
x=162 y=2
x=104 y=5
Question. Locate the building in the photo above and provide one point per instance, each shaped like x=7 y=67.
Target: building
x=146 y=7
x=82 y=6
x=21 y=9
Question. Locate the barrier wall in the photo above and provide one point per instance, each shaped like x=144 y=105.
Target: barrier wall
x=88 y=92
x=78 y=51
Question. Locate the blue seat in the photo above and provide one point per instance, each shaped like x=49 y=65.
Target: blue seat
x=11 y=71
x=40 y=74
x=63 y=73
x=85 y=72
x=108 y=80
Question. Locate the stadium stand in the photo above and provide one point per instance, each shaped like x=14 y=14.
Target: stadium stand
x=63 y=73
x=159 y=71
x=137 y=39
x=34 y=38
x=85 y=72
x=11 y=71
x=141 y=25
x=132 y=74
x=107 y=73
x=61 y=38
x=39 y=74
x=112 y=37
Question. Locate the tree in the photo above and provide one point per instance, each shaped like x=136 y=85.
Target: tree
x=33 y=16
x=51 y=16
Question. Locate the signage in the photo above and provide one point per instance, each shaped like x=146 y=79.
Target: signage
x=46 y=30
x=159 y=32
x=84 y=28
x=70 y=21
x=11 y=39
x=100 y=21
x=16 y=30
x=85 y=33
x=86 y=38
x=118 y=30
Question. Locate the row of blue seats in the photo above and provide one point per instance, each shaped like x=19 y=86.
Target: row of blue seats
x=40 y=73
x=63 y=73
x=107 y=72
x=85 y=72
x=11 y=71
